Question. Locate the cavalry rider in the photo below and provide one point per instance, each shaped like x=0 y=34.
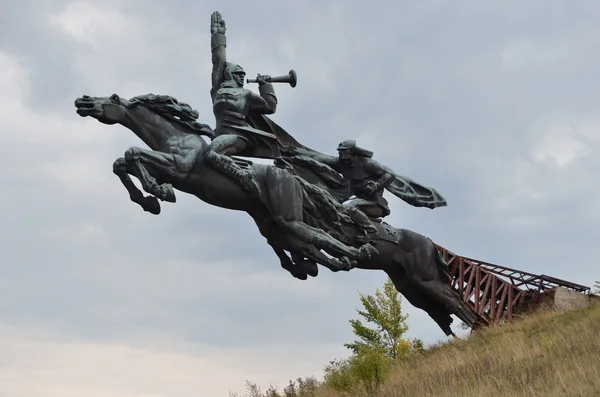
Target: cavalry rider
x=367 y=180
x=232 y=106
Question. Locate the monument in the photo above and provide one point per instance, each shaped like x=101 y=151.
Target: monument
x=312 y=208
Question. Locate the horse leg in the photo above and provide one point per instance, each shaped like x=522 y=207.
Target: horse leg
x=285 y=197
x=163 y=163
x=288 y=264
x=321 y=240
x=441 y=292
x=148 y=203
x=315 y=256
x=419 y=299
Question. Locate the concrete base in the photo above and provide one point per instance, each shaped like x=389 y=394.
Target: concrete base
x=565 y=299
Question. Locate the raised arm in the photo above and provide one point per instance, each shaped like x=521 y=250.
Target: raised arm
x=218 y=43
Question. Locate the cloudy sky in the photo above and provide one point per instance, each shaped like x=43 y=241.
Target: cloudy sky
x=495 y=104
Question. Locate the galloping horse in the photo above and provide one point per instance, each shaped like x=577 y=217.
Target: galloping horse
x=176 y=160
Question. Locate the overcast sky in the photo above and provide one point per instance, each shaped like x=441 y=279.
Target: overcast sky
x=495 y=104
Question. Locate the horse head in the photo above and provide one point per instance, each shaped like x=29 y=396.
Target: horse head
x=107 y=110
x=154 y=118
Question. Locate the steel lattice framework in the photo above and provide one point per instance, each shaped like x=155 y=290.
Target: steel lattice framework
x=497 y=293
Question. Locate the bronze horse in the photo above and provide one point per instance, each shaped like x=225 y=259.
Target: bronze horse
x=176 y=160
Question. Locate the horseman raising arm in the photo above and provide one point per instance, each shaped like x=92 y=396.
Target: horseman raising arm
x=232 y=104
x=266 y=102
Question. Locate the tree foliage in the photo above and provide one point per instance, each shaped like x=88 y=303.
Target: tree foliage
x=381 y=340
x=384 y=311
x=306 y=387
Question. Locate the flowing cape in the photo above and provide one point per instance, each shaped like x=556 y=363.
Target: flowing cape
x=402 y=187
x=415 y=194
x=264 y=123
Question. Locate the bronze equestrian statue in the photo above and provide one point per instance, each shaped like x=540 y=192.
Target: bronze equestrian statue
x=299 y=203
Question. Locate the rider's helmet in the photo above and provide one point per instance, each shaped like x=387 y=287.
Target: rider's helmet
x=350 y=146
x=231 y=69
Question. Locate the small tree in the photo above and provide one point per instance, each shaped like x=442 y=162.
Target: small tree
x=596 y=289
x=384 y=310
x=366 y=369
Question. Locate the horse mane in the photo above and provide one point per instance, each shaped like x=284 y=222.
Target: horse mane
x=172 y=109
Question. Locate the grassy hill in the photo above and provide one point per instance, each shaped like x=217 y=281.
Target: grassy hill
x=547 y=354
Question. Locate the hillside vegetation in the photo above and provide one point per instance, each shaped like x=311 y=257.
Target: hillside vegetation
x=547 y=354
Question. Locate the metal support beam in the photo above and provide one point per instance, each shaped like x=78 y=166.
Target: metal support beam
x=497 y=293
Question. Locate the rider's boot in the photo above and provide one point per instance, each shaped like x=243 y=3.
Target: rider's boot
x=368 y=230
x=244 y=176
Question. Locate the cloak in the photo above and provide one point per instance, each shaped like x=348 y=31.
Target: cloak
x=414 y=193
x=264 y=123
x=402 y=187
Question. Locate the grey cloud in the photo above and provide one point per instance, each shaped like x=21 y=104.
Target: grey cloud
x=24 y=31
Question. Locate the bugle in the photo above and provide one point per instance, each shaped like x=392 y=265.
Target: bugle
x=290 y=78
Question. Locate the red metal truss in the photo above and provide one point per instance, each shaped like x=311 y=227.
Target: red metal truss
x=498 y=293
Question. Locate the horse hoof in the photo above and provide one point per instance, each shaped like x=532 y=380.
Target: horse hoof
x=151 y=205
x=346 y=264
x=309 y=267
x=352 y=264
x=300 y=275
x=167 y=193
x=295 y=270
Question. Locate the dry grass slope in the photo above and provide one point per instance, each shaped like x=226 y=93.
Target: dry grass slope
x=548 y=354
